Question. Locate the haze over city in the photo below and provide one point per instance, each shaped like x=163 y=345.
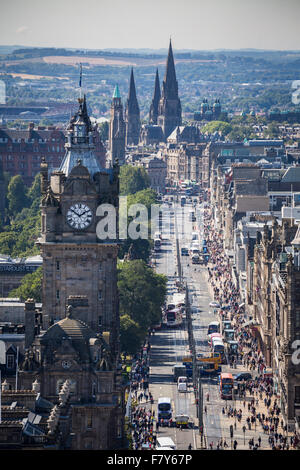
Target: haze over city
x=193 y=24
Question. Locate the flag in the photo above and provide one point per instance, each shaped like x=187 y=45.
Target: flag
x=80 y=77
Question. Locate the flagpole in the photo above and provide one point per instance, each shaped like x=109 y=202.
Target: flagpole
x=17 y=367
x=80 y=79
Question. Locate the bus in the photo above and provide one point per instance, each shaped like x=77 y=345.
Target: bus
x=172 y=317
x=157 y=244
x=213 y=336
x=226 y=325
x=179 y=301
x=217 y=345
x=164 y=410
x=226 y=386
x=213 y=327
x=209 y=369
x=187 y=361
x=229 y=335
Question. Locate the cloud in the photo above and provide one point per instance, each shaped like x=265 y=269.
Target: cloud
x=22 y=29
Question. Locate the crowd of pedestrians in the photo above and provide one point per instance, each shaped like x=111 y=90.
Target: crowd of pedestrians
x=143 y=424
x=259 y=391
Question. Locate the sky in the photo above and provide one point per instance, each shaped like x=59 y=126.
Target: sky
x=192 y=24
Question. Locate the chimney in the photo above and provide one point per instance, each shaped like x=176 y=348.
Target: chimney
x=80 y=307
x=29 y=322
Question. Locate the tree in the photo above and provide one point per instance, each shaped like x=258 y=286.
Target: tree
x=217 y=126
x=16 y=195
x=103 y=129
x=142 y=247
x=141 y=292
x=34 y=193
x=30 y=287
x=131 y=336
x=133 y=179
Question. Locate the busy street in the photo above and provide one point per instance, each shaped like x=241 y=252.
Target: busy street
x=250 y=418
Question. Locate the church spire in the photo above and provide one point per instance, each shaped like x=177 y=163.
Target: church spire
x=132 y=114
x=132 y=102
x=169 y=109
x=170 y=87
x=155 y=101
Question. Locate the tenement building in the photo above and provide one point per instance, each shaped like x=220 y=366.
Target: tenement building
x=21 y=151
x=277 y=311
x=185 y=162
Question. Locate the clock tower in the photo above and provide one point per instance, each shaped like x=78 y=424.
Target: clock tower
x=76 y=263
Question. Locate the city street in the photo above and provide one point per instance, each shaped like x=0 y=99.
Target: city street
x=169 y=345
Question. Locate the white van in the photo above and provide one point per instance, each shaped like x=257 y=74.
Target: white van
x=182 y=387
x=165 y=442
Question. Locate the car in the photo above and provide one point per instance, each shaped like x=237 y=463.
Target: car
x=214 y=304
x=243 y=376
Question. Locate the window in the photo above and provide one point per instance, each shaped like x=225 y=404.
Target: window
x=89 y=420
x=297 y=394
x=10 y=361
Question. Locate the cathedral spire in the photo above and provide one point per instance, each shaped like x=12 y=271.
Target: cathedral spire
x=169 y=109
x=132 y=102
x=170 y=87
x=155 y=101
x=132 y=114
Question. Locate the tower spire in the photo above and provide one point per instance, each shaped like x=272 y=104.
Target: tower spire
x=132 y=102
x=170 y=82
x=155 y=101
x=132 y=114
x=169 y=109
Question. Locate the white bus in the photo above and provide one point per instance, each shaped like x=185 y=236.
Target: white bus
x=164 y=410
x=217 y=346
x=213 y=327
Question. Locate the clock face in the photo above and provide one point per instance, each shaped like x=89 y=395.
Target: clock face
x=66 y=364
x=79 y=216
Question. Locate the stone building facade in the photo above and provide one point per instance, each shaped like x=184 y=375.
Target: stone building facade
x=74 y=355
x=21 y=151
x=185 y=162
